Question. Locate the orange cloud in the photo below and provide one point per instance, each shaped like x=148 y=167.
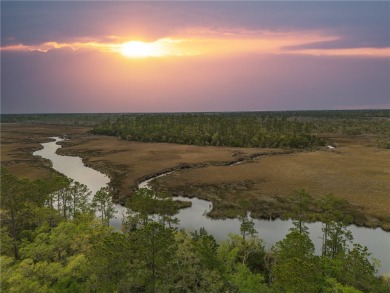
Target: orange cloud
x=205 y=41
x=47 y=46
x=373 y=52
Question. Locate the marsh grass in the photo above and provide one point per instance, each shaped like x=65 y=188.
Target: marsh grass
x=357 y=170
x=354 y=171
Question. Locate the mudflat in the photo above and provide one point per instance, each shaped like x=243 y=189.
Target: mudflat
x=355 y=170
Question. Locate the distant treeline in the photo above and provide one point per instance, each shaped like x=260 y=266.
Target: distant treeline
x=71 y=119
x=258 y=129
x=95 y=118
x=284 y=129
x=235 y=130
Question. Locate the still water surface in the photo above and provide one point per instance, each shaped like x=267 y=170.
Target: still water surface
x=377 y=240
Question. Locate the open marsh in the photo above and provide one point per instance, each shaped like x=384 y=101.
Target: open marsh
x=355 y=170
x=19 y=141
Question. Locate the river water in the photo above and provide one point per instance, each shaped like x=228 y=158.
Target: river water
x=377 y=240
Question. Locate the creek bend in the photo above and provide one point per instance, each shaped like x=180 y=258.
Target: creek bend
x=194 y=217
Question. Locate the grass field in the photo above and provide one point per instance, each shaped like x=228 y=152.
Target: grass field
x=128 y=163
x=18 y=142
x=356 y=170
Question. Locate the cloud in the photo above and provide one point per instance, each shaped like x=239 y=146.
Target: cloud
x=208 y=41
x=358 y=23
x=94 y=82
x=354 y=52
x=200 y=28
x=67 y=56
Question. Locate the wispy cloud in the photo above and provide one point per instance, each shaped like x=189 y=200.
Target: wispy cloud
x=207 y=41
x=47 y=46
x=205 y=55
x=362 y=52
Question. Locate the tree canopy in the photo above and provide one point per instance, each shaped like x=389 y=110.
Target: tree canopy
x=45 y=250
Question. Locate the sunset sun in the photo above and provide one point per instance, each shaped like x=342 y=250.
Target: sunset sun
x=213 y=146
x=137 y=49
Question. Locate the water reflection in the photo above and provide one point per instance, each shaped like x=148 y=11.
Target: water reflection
x=377 y=240
x=73 y=168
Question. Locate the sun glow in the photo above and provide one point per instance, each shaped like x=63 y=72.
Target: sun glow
x=137 y=49
x=181 y=46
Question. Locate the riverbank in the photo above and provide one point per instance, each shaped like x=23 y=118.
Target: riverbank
x=356 y=170
x=19 y=141
x=194 y=218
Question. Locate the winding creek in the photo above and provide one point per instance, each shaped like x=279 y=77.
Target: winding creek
x=377 y=240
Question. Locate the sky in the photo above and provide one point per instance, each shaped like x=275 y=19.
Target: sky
x=203 y=56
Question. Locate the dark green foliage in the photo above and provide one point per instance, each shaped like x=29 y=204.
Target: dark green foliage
x=102 y=203
x=339 y=269
x=297 y=275
x=23 y=204
x=15 y=205
x=71 y=198
x=236 y=130
x=287 y=129
x=43 y=251
x=295 y=244
x=352 y=268
x=243 y=263
x=296 y=268
x=146 y=205
x=336 y=236
x=155 y=249
x=300 y=213
x=109 y=262
x=247 y=227
x=206 y=248
x=55 y=259
x=290 y=129
x=73 y=119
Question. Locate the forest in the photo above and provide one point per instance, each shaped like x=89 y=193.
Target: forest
x=283 y=129
x=54 y=239
x=295 y=130
x=232 y=130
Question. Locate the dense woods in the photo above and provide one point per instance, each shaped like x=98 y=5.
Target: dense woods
x=298 y=130
x=235 y=130
x=55 y=239
x=287 y=129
